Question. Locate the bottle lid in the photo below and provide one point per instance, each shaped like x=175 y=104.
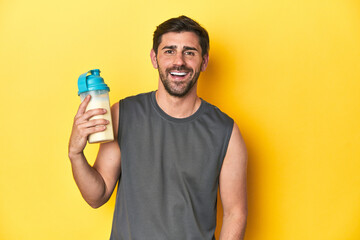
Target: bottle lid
x=91 y=82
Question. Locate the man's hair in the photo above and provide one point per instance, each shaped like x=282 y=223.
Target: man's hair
x=182 y=24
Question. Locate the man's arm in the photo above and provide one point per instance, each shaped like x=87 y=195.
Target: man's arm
x=96 y=183
x=233 y=188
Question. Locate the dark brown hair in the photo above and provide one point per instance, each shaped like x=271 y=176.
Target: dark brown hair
x=182 y=24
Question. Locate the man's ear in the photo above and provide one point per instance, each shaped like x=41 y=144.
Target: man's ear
x=205 y=62
x=153 y=58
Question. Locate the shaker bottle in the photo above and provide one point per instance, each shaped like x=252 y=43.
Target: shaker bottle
x=94 y=85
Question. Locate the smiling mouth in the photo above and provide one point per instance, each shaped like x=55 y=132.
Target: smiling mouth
x=178 y=74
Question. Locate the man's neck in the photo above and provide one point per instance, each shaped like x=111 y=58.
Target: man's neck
x=178 y=107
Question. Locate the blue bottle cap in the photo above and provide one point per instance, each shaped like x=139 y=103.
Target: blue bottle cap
x=91 y=82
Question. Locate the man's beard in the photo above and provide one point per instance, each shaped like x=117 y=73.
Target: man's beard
x=178 y=88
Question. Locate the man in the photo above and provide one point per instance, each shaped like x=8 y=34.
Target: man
x=172 y=150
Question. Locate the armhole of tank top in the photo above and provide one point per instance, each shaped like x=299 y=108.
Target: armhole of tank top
x=227 y=139
x=120 y=123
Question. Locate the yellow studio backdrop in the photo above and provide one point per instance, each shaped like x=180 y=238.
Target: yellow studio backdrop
x=287 y=71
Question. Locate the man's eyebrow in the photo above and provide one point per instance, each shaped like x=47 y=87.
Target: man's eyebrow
x=190 y=48
x=169 y=47
x=185 y=48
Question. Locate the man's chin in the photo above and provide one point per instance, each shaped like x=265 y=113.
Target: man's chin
x=178 y=87
x=179 y=92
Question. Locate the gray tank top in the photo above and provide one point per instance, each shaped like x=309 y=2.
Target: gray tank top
x=169 y=171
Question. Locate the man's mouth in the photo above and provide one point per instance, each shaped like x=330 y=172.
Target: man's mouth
x=178 y=74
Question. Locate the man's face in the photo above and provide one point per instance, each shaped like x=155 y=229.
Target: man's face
x=179 y=61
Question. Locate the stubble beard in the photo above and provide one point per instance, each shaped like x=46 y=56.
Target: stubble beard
x=179 y=88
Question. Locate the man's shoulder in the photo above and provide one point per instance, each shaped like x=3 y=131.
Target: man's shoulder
x=140 y=103
x=137 y=97
x=216 y=111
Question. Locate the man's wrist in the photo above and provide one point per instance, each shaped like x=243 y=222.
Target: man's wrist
x=75 y=156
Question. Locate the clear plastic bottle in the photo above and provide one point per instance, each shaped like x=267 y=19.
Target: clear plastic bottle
x=94 y=85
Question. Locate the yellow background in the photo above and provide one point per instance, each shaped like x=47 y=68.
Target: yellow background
x=286 y=71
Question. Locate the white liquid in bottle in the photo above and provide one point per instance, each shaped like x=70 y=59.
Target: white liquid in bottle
x=101 y=101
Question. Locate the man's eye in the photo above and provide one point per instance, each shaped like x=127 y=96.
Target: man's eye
x=190 y=53
x=169 y=51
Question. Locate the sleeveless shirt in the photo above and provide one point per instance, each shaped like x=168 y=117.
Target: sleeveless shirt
x=169 y=171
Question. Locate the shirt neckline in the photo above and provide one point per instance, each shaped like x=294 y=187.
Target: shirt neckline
x=173 y=119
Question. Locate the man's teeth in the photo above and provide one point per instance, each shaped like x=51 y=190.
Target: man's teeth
x=178 y=73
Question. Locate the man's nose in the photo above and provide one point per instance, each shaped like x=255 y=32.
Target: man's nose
x=179 y=59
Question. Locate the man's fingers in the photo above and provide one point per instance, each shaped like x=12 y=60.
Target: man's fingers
x=95 y=129
x=86 y=128
x=81 y=118
x=94 y=123
x=85 y=132
x=92 y=113
x=83 y=105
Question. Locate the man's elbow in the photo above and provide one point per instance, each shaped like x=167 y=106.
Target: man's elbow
x=95 y=203
x=237 y=215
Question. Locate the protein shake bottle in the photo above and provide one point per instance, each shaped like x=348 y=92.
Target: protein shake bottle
x=94 y=85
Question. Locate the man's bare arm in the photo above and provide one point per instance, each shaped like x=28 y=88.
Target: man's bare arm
x=96 y=183
x=233 y=188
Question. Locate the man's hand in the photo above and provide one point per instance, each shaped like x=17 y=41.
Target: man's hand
x=83 y=127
